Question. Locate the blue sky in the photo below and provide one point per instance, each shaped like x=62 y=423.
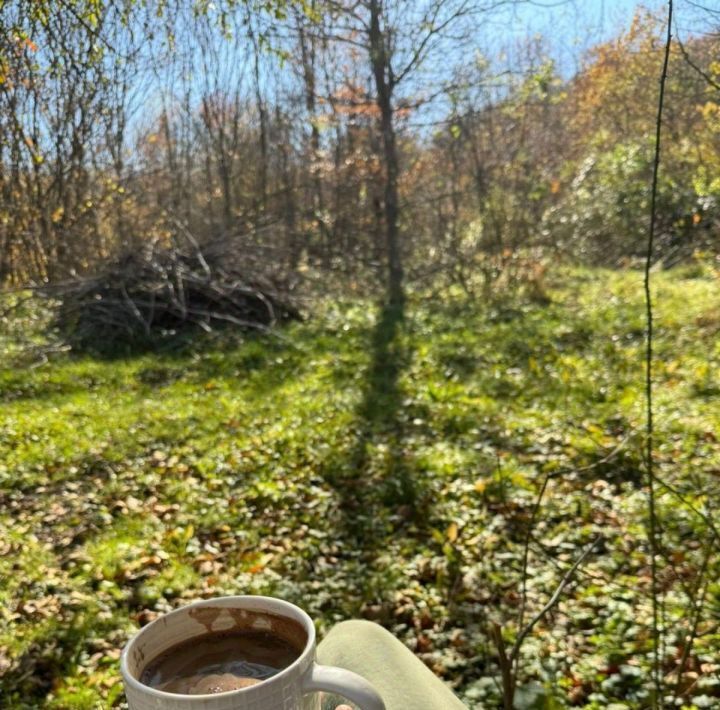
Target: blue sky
x=599 y=16
x=572 y=26
x=569 y=28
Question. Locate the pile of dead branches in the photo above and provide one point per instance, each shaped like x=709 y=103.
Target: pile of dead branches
x=162 y=291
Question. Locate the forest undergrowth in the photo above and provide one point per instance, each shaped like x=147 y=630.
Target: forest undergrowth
x=377 y=463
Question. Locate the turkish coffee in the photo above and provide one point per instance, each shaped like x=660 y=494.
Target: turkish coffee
x=220 y=661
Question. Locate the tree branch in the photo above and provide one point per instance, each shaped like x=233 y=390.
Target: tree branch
x=554 y=599
x=653 y=525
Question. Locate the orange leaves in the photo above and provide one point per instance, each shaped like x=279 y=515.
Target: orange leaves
x=259 y=561
x=616 y=90
x=11 y=59
x=353 y=100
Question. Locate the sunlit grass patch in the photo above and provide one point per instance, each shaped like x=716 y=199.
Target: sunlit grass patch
x=364 y=463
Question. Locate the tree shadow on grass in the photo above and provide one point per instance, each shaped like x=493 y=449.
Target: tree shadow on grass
x=374 y=479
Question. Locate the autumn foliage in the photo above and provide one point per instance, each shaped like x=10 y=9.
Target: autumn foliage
x=534 y=161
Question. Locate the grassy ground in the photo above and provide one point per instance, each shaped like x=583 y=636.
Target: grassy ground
x=378 y=464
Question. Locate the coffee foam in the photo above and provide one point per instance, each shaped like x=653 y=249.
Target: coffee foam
x=207 y=684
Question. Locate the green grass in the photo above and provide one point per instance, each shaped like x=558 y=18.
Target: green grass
x=378 y=464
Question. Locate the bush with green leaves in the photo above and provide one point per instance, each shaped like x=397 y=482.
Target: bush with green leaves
x=604 y=216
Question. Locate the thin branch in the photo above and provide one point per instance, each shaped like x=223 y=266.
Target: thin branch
x=554 y=599
x=707 y=519
x=536 y=508
x=698 y=606
x=508 y=662
x=526 y=553
x=653 y=531
x=695 y=67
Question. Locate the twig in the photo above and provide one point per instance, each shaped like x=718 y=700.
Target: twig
x=695 y=67
x=506 y=666
x=553 y=599
x=653 y=532
x=134 y=309
x=526 y=553
x=691 y=506
x=698 y=607
x=198 y=252
x=536 y=508
x=508 y=662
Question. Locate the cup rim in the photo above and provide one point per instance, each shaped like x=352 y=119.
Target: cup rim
x=227 y=601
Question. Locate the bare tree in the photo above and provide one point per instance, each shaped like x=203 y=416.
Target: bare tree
x=399 y=40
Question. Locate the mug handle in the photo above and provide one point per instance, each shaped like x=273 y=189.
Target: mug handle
x=345 y=683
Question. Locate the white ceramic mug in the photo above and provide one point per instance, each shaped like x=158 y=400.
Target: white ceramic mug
x=293 y=688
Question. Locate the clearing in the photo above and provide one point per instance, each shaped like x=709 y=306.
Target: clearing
x=375 y=464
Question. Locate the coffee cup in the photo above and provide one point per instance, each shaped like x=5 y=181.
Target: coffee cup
x=295 y=687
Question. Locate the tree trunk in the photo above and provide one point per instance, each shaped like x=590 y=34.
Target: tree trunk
x=384 y=86
x=262 y=116
x=317 y=207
